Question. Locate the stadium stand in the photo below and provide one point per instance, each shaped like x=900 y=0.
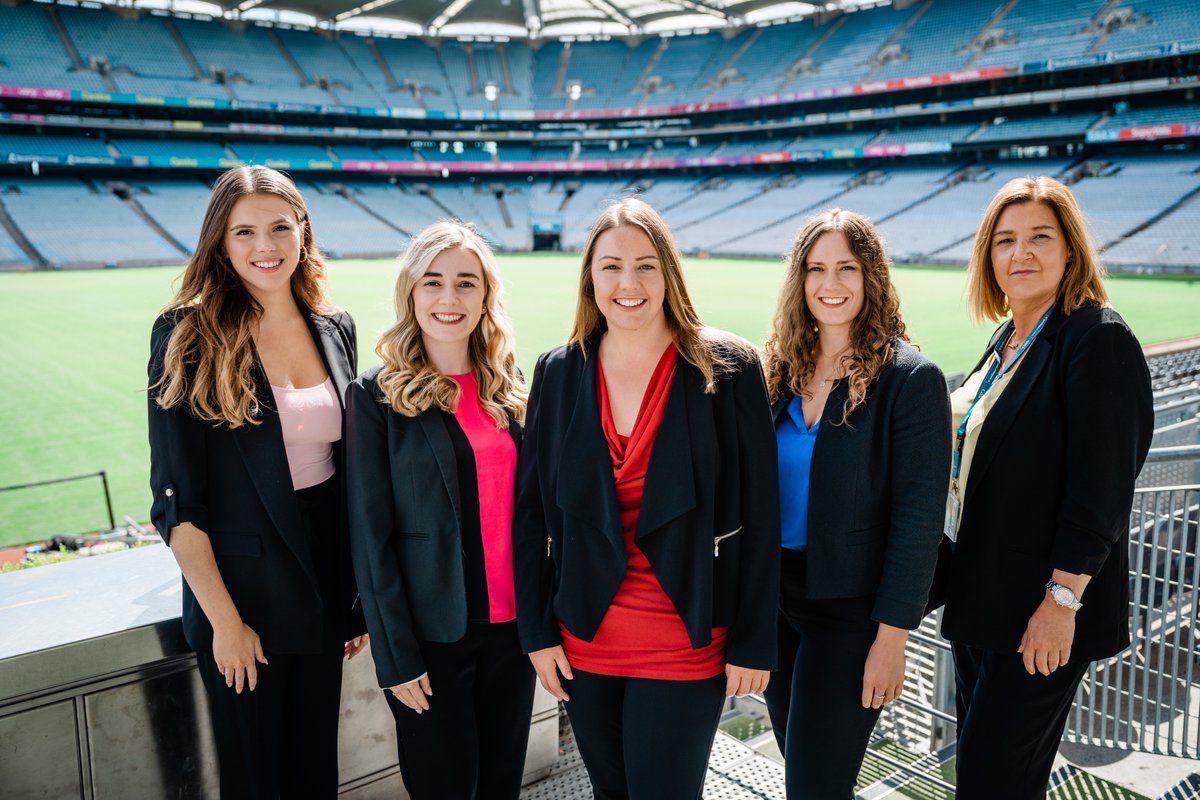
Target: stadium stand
x=1123 y=193
x=168 y=148
x=199 y=58
x=139 y=55
x=178 y=206
x=343 y=229
x=326 y=64
x=1036 y=128
x=1141 y=199
x=76 y=224
x=268 y=152
x=53 y=145
x=1031 y=30
x=34 y=54
x=942 y=227
x=250 y=62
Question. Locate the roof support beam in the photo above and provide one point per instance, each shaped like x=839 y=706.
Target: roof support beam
x=703 y=8
x=615 y=14
x=365 y=8
x=447 y=16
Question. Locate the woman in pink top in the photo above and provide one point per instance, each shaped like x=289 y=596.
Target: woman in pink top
x=247 y=367
x=432 y=436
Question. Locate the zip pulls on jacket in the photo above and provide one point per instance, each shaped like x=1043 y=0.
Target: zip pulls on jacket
x=718 y=539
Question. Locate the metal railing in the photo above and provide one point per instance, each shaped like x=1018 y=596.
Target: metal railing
x=1145 y=699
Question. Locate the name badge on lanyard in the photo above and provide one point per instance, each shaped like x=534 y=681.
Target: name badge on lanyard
x=994 y=372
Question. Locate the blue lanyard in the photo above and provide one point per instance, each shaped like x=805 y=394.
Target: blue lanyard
x=993 y=373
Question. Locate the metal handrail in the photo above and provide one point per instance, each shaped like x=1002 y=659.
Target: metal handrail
x=1163 y=455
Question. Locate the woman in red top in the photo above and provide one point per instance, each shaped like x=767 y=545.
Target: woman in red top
x=646 y=532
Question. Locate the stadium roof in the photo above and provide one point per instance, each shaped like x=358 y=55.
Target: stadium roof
x=513 y=18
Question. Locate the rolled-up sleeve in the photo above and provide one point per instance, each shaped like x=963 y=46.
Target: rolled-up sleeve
x=178 y=450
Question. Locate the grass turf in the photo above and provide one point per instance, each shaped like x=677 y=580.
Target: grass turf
x=74 y=349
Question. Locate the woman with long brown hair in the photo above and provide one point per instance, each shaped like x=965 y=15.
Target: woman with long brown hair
x=248 y=365
x=860 y=422
x=432 y=436
x=646 y=532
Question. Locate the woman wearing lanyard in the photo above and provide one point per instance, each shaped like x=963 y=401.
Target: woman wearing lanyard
x=432 y=437
x=1052 y=428
x=647 y=523
x=862 y=422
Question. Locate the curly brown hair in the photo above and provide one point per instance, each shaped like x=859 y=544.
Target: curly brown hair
x=790 y=351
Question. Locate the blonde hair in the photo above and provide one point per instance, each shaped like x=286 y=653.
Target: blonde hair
x=790 y=352
x=714 y=352
x=410 y=384
x=209 y=359
x=1083 y=278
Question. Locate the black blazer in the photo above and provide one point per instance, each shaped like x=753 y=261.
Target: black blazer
x=234 y=484
x=709 y=521
x=1051 y=486
x=877 y=490
x=405 y=528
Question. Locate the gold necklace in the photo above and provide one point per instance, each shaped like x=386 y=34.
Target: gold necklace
x=1013 y=344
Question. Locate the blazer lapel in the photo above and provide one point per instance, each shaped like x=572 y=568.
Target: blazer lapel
x=261 y=447
x=779 y=405
x=586 y=488
x=1006 y=409
x=443 y=452
x=333 y=352
x=668 y=491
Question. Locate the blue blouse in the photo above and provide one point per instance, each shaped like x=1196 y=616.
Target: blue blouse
x=795 y=442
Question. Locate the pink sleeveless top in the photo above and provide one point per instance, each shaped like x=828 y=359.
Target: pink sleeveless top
x=312 y=422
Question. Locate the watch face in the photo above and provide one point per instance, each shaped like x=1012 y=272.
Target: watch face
x=1063 y=596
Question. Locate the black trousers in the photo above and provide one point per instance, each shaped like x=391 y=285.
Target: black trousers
x=815 y=699
x=1009 y=723
x=280 y=740
x=642 y=738
x=471 y=743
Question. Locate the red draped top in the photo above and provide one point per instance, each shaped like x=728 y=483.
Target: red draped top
x=641 y=635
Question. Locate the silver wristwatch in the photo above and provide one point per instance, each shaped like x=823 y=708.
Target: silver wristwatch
x=1063 y=595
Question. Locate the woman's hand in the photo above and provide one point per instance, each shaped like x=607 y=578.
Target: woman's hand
x=741 y=681
x=414 y=694
x=355 y=646
x=237 y=651
x=883 y=673
x=1046 y=644
x=548 y=663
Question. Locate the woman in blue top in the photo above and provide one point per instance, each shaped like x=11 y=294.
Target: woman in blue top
x=862 y=425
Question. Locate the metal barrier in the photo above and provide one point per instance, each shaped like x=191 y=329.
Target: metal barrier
x=1145 y=699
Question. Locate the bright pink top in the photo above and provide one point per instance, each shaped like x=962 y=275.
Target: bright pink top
x=641 y=635
x=495 y=466
x=312 y=422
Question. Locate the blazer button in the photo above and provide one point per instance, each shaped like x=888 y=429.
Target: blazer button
x=169 y=492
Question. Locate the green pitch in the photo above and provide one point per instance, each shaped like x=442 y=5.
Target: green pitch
x=74 y=349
